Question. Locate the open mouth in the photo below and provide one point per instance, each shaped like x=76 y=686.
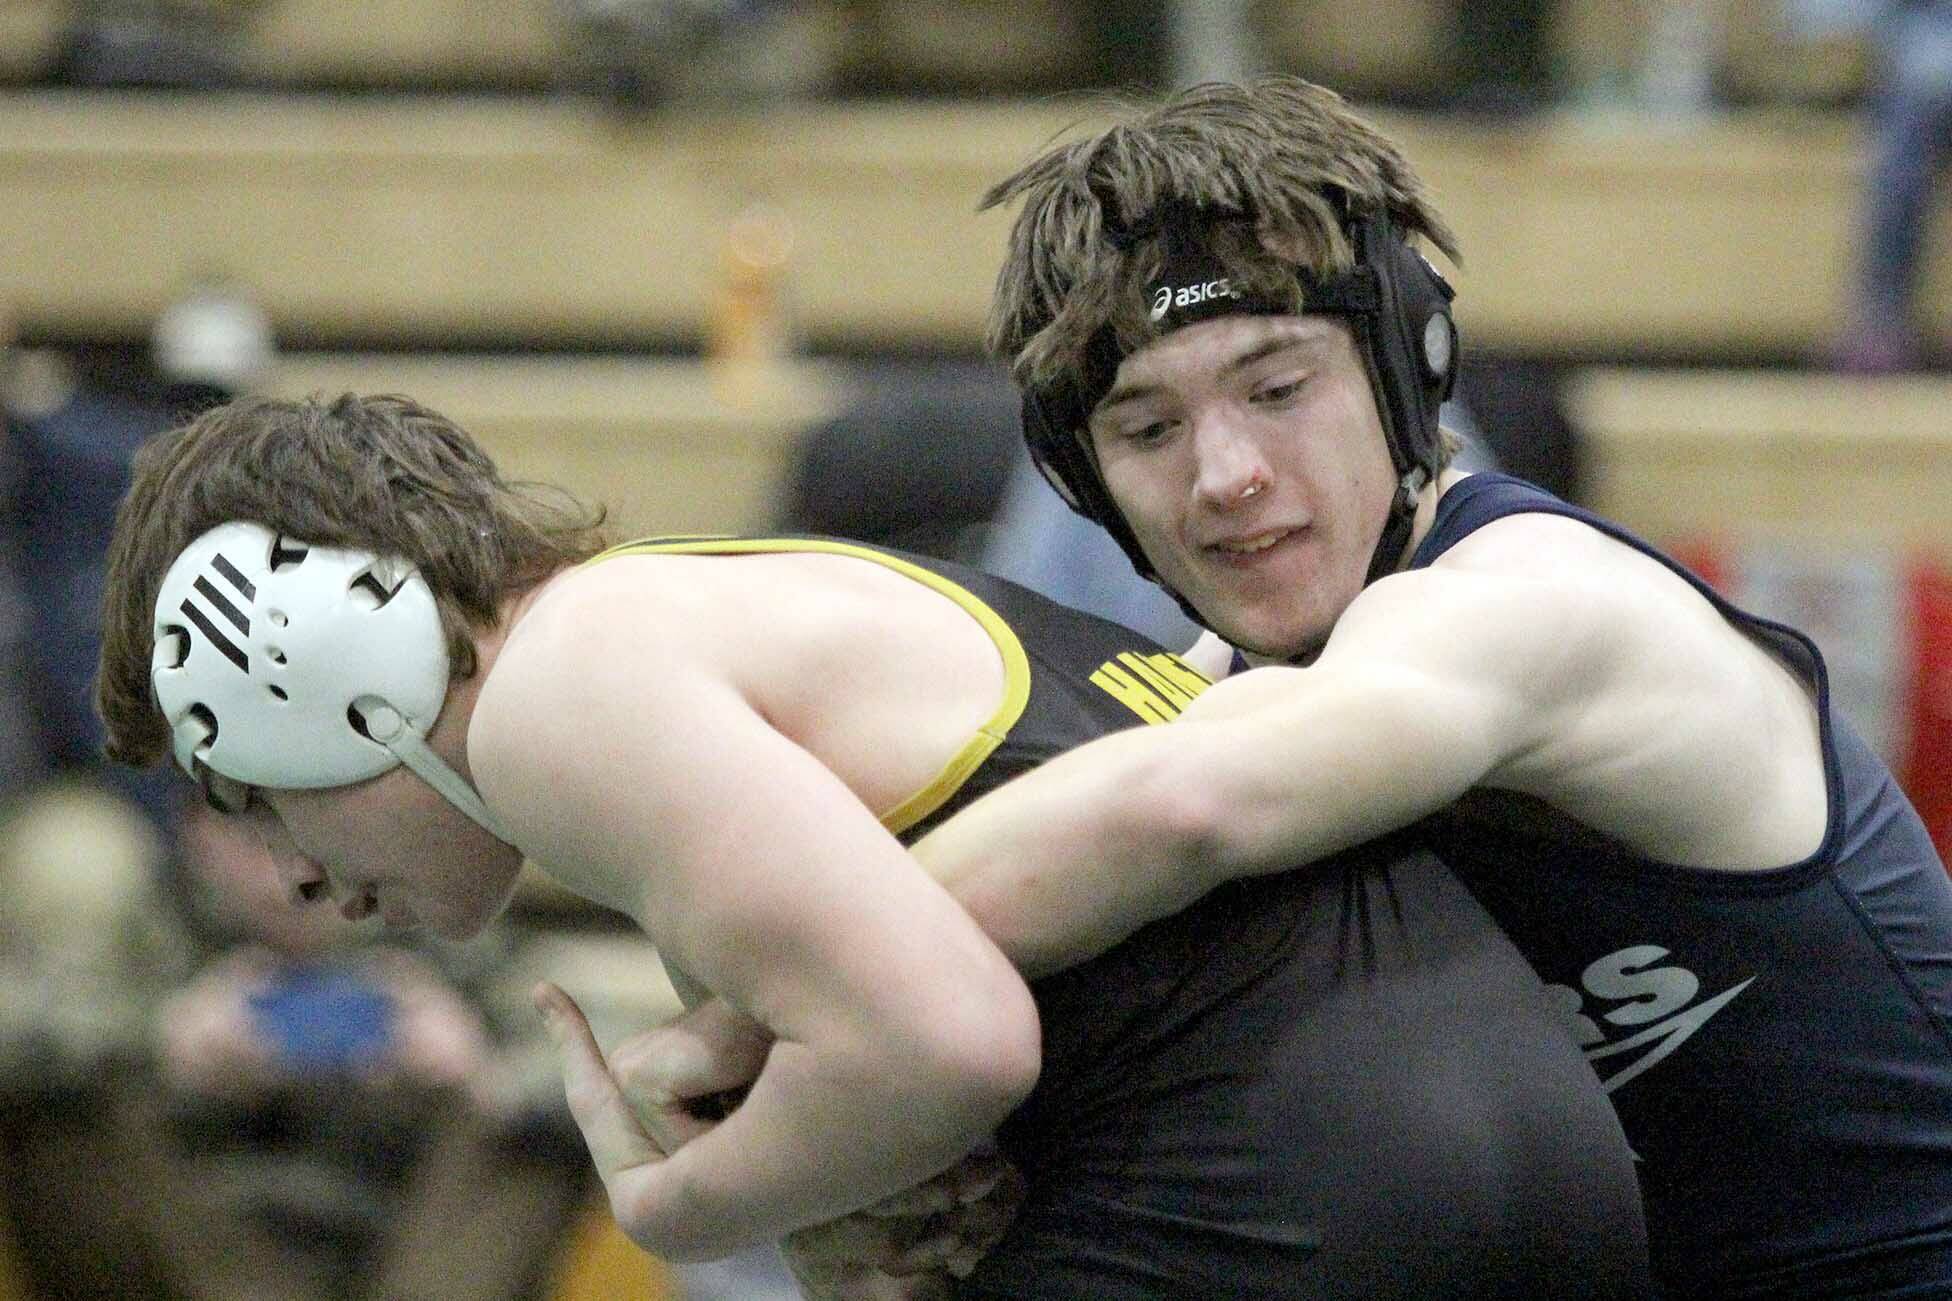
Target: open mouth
x=1249 y=549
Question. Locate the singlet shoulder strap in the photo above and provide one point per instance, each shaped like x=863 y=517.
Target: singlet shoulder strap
x=1478 y=499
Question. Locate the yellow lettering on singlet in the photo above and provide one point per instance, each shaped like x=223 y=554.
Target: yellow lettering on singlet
x=1155 y=687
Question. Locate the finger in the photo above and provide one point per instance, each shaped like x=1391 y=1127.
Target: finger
x=969 y=1180
x=869 y=1285
x=853 y=1241
x=963 y=1263
x=873 y=1285
x=671 y=1120
x=616 y=1141
x=981 y=1222
x=932 y=1197
x=670 y=1125
x=979 y=1225
x=682 y=1077
x=710 y=1049
x=931 y=1254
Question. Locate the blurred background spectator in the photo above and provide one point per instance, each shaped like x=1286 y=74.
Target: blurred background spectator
x=346 y=1119
x=1910 y=43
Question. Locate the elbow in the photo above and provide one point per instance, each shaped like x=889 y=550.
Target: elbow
x=965 y=1069
x=983 y=1063
x=1013 y=1054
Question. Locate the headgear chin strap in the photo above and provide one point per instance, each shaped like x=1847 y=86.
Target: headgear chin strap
x=1397 y=305
x=386 y=725
x=282 y=664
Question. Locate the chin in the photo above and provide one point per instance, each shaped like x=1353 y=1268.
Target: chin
x=1261 y=637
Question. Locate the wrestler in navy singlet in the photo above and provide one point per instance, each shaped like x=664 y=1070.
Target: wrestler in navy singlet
x=1779 y=1043
x=1332 y=1083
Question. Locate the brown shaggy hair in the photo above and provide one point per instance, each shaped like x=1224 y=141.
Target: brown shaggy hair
x=1286 y=155
x=381 y=474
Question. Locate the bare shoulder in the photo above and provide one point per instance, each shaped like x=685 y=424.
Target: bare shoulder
x=1539 y=547
x=598 y=651
x=1655 y=714
x=578 y=630
x=1532 y=575
x=872 y=673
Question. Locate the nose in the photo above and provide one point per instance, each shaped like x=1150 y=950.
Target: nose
x=1229 y=462
x=304 y=879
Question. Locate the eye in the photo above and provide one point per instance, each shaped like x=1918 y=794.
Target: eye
x=1148 y=435
x=1275 y=394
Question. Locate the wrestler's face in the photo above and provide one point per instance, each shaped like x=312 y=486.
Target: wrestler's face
x=390 y=847
x=1247 y=456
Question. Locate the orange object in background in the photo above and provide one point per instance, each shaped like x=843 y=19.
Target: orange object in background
x=600 y=1264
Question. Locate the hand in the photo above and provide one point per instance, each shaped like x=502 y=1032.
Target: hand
x=909 y=1246
x=439 y=1039
x=684 y=1076
x=618 y=1142
x=206 y=1038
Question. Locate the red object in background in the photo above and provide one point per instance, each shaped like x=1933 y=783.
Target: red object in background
x=1707 y=559
x=1927 y=766
x=1921 y=668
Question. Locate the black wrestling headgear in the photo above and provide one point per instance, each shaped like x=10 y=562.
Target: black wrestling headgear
x=1398 y=307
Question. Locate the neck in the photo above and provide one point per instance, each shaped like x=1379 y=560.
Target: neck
x=449 y=737
x=1427 y=505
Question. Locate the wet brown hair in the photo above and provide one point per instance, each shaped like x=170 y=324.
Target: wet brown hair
x=1286 y=156
x=382 y=474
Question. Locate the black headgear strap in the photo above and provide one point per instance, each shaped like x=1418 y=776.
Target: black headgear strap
x=1398 y=307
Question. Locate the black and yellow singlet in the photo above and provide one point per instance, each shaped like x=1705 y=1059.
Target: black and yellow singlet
x=1340 y=1081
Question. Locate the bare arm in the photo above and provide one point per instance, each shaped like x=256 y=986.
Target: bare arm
x=1264 y=772
x=1598 y=683
x=902 y=1034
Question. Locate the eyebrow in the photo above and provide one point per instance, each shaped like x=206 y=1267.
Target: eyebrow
x=1267 y=347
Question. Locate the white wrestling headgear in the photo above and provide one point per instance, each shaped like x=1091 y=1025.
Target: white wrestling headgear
x=293 y=666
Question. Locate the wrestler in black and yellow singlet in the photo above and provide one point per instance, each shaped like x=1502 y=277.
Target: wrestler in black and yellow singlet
x=1337 y=1082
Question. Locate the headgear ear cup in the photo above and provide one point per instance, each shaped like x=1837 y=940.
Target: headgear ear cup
x=273 y=657
x=1055 y=442
x=1412 y=377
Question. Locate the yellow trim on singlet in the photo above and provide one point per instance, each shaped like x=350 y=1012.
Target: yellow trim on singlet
x=1016 y=664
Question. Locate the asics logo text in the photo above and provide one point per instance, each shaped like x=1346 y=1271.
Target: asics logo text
x=1167 y=298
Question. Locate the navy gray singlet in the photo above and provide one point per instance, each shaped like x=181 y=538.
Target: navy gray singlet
x=1778 y=1044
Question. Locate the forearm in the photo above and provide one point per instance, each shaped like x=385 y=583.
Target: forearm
x=818 y=1136
x=1263 y=773
x=1064 y=862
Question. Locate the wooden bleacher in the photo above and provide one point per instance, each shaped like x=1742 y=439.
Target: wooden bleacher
x=1758 y=455
x=435 y=220
x=669 y=446
x=459 y=221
